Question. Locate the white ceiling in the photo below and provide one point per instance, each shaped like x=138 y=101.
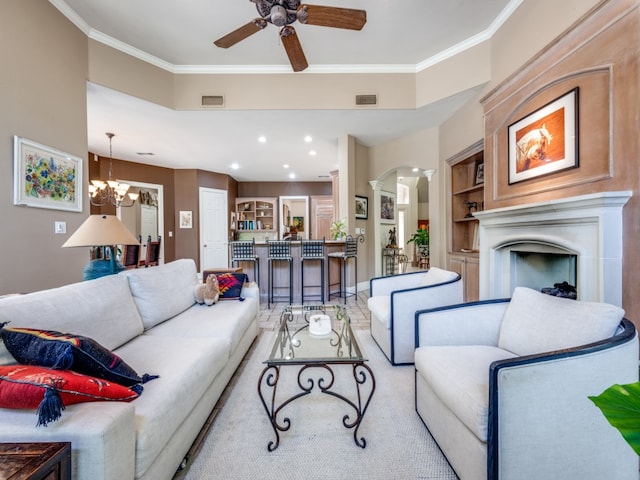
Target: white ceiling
x=399 y=36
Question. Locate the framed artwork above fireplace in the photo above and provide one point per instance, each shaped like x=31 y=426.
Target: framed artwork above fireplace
x=546 y=140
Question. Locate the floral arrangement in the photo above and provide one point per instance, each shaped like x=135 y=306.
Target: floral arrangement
x=338 y=229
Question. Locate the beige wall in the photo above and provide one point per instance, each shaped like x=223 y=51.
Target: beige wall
x=43 y=98
x=124 y=73
x=532 y=27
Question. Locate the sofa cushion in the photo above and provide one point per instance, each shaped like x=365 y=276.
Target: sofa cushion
x=49 y=391
x=230 y=285
x=459 y=376
x=48 y=348
x=536 y=323
x=187 y=368
x=225 y=320
x=102 y=309
x=164 y=291
x=380 y=308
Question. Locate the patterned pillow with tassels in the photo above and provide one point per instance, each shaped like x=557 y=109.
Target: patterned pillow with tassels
x=64 y=351
x=50 y=391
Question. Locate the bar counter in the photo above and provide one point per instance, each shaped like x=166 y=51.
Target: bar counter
x=311 y=273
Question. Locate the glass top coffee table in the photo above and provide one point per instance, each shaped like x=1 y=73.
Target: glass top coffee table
x=315 y=339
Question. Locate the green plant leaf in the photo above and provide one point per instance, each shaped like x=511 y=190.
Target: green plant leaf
x=421 y=237
x=620 y=404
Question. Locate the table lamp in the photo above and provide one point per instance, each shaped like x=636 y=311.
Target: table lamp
x=101 y=231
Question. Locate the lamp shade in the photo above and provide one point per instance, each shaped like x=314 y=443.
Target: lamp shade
x=100 y=230
x=97 y=231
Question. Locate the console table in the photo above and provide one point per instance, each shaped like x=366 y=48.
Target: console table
x=393 y=261
x=35 y=461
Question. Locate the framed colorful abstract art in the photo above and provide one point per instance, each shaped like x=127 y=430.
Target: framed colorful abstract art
x=45 y=177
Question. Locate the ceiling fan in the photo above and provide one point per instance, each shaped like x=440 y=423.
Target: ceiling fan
x=282 y=13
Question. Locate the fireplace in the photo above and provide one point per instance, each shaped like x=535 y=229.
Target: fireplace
x=576 y=239
x=540 y=266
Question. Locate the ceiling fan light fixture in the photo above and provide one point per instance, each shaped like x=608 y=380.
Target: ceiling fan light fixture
x=282 y=13
x=278 y=16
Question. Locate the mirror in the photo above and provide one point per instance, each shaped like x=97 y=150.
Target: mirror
x=294 y=223
x=146 y=216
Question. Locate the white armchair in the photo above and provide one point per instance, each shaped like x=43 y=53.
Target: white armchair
x=503 y=386
x=393 y=303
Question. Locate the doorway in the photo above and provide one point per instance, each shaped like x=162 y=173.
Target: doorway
x=294 y=211
x=214 y=229
x=146 y=217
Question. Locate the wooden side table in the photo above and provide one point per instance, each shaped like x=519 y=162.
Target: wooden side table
x=35 y=461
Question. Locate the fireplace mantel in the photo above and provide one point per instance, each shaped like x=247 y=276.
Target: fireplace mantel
x=590 y=226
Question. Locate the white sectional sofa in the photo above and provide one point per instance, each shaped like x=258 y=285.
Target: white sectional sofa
x=150 y=319
x=503 y=386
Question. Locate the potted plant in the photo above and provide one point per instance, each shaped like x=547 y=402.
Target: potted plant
x=338 y=229
x=421 y=240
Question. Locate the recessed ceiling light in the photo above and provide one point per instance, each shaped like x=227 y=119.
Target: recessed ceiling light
x=285 y=166
x=312 y=153
x=262 y=139
x=292 y=175
x=415 y=169
x=308 y=139
x=235 y=166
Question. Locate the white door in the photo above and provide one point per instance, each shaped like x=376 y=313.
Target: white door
x=148 y=223
x=214 y=251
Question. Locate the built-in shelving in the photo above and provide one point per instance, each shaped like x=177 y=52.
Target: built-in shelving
x=256 y=215
x=467 y=197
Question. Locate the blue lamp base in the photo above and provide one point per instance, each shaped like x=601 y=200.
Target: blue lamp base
x=100 y=268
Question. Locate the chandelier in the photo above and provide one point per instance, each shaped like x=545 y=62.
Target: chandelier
x=111 y=191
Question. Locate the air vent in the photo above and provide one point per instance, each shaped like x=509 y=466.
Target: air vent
x=213 y=101
x=366 y=99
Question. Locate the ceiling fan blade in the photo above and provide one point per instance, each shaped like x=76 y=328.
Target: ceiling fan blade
x=293 y=48
x=241 y=33
x=335 y=17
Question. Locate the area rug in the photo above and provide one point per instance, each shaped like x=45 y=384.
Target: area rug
x=317 y=445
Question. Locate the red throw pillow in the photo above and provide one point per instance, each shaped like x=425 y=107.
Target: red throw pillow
x=27 y=386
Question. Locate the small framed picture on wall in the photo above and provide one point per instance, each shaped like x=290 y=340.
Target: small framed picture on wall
x=362 y=207
x=387 y=207
x=479 y=173
x=186 y=219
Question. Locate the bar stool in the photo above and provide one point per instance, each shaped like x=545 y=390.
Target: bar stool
x=312 y=250
x=245 y=251
x=279 y=251
x=350 y=252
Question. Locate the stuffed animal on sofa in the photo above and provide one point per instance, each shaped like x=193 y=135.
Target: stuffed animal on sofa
x=208 y=292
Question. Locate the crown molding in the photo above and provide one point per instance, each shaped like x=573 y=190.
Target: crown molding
x=471 y=42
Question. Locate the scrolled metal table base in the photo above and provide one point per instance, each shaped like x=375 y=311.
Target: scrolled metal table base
x=306 y=382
